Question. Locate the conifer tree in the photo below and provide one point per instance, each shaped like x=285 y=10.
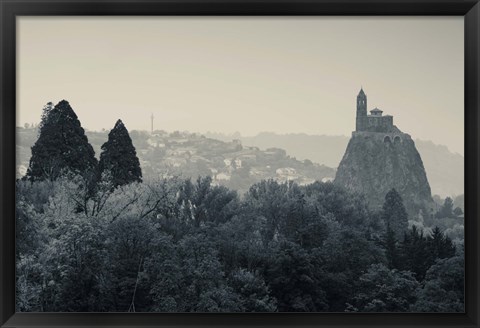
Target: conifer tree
x=46 y=110
x=446 y=211
x=394 y=213
x=440 y=245
x=391 y=249
x=119 y=158
x=415 y=255
x=61 y=146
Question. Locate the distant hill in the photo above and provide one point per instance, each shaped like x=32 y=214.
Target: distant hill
x=190 y=155
x=327 y=150
x=445 y=170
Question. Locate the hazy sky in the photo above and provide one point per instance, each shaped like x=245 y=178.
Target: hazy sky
x=246 y=74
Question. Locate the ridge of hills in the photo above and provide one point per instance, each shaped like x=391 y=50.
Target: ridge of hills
x=445 y=169
x=190 y=155
x=299 y=157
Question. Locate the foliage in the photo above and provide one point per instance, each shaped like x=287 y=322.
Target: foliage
x=119 y=158
x=394 y=213
x=99 y=239
x=384 y=290
x=443 y=289
x=295 y=280
x=418 y=252
x=446 y=211
x=391 y=249
x=61 y=146
x=174 y=245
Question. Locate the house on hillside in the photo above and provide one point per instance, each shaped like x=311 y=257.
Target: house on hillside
x=286 y=174
x=222 y=177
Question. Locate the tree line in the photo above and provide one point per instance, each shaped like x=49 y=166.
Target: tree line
x=62 y=146
x=94 y=237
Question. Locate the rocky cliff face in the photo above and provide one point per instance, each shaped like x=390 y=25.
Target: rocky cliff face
x=374 y=163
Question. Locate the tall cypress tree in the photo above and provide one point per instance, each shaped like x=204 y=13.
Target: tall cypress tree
x=61 y=146
x=394 y=213
x=391 y=249
x=119 y=158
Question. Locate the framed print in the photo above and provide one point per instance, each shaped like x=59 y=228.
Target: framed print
x=278 y=163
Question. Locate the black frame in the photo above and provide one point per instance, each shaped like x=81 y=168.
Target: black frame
x=9 y=9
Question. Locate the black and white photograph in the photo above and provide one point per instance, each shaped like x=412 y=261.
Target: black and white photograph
x=177 y=164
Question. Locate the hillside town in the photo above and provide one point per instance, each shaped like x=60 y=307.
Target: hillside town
x=189 y=155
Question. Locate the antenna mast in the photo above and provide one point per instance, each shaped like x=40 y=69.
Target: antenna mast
x=152 y=117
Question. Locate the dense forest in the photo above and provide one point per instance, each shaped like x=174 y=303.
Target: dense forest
x=94 y=236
